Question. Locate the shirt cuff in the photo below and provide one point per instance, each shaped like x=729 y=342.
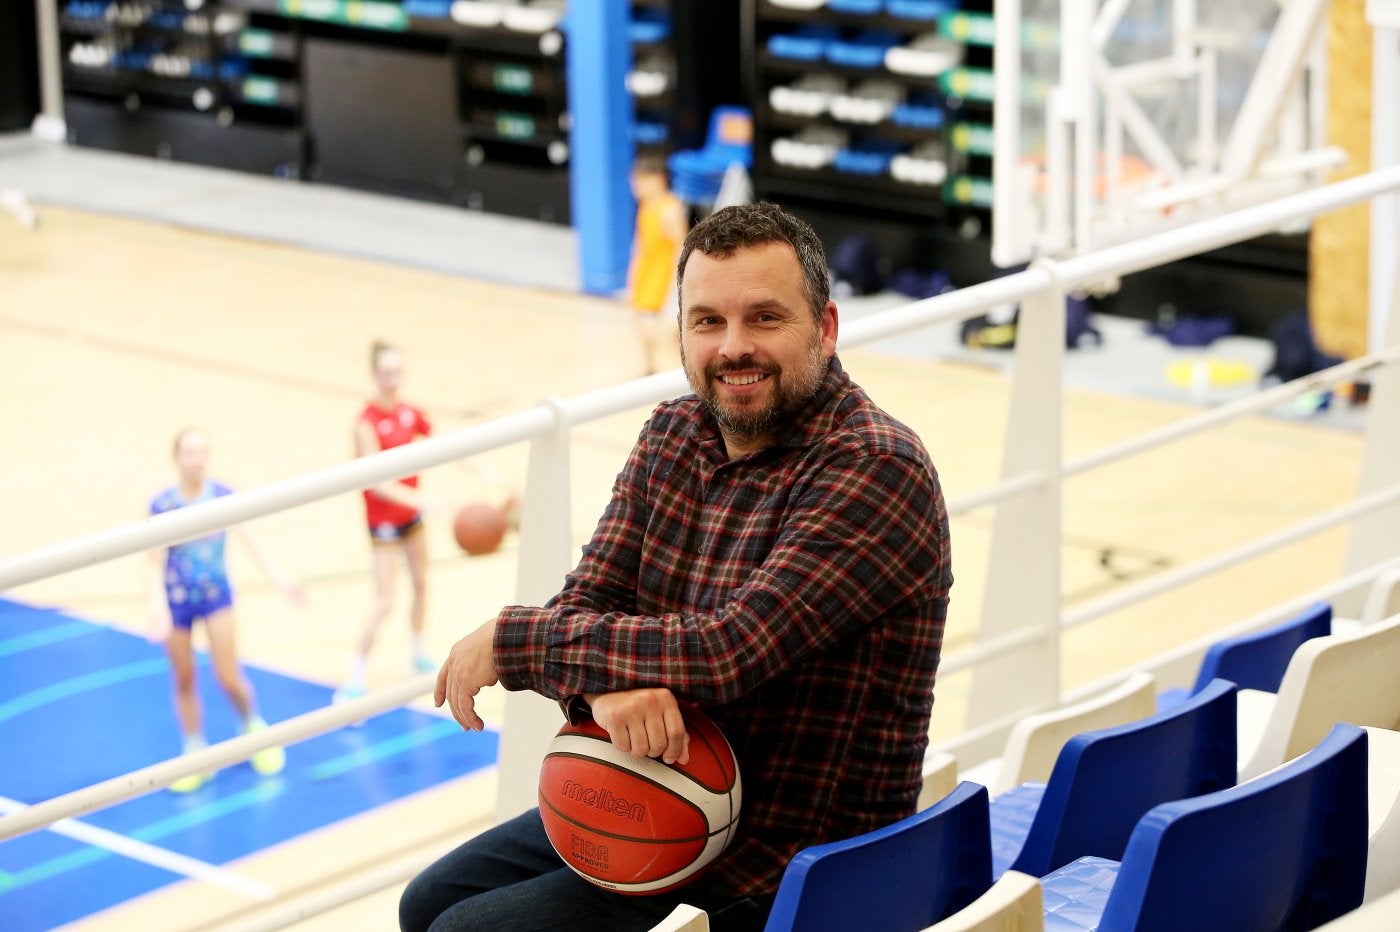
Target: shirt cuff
x=520 y=648
x=576 y=709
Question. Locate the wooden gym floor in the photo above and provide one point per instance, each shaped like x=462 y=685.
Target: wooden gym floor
x=115 y=333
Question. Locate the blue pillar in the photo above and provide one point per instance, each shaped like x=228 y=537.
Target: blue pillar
x=600 y=141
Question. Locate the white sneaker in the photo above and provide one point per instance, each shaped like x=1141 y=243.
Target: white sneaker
x=345 y=694
x=190 y=782
x=268 y=761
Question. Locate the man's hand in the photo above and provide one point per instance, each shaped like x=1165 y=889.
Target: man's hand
x=643 y=722
x=470 y=666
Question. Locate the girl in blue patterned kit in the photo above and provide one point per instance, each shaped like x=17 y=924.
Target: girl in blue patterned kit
x=193 y=580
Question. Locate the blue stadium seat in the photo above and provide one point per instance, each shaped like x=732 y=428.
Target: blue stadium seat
x=1256 y=660
x=1105 y=780
x=904 y=876
x=696 y=174
x=1285 y=851
x=1035 y=741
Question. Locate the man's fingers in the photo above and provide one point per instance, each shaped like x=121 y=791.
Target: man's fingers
x=638 y=743
x=674 y=735
x=657 y=739
x=464 y=711
x=440 y=690
x=685 y=750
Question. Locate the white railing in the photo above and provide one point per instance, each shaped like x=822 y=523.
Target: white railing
x=1022 y=617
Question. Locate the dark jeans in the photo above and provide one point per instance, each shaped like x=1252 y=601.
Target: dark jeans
x=509 y=879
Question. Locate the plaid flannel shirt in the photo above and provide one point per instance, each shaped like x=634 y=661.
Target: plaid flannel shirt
x=797 y=594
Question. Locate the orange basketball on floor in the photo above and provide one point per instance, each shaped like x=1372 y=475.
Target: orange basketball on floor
x=479 y=528
x=637 y=825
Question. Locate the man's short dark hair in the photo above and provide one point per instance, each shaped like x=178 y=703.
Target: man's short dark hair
x=730 y=229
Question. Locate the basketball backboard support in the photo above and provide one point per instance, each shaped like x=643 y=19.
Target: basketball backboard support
x=1118 y=118
x=1384 y=17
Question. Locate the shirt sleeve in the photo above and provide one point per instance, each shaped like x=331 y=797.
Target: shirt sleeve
x=864 y=537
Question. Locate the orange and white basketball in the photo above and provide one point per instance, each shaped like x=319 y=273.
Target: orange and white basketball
x=636 y=824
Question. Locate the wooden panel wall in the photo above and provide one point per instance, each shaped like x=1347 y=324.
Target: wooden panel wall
x=1339 y=250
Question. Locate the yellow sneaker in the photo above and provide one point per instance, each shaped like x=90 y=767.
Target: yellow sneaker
x=190 y=782
x=268 y=761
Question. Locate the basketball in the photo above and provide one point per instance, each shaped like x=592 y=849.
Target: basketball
x=634 y=824
x=479 y=528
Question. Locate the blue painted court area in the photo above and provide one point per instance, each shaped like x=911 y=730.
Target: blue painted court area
x=81 y=703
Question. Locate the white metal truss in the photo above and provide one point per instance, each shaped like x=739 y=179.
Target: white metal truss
x=1081 y=159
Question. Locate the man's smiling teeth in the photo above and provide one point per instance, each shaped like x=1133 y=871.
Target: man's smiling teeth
x=742 y=379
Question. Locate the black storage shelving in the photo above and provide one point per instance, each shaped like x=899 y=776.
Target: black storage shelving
x=458 y=101
x=861 y=143
x=651 y=83
x=158 y=78
x=514 y=121
x=434 y=100
x=423 y=98
x=932 y=121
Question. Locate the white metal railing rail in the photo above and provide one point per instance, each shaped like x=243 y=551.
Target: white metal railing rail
x=1183 y=659
x=1114 y=261
x=1214 y=417
x=232 y=751
x=553 y=418
x=1259 y=546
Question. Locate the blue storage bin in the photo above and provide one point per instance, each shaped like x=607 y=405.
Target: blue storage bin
x=648 y=133
x=428 y=9
x=173 y=20
x=854 y=6
x=865 y=50
x=87 y=9
x=867 y=158
x=230 y=69
x=920 y=9
x=807 y=43
x=918 y=114
x=648 y=25
x=132 y=60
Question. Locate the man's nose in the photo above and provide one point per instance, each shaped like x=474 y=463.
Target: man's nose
x=738 y=342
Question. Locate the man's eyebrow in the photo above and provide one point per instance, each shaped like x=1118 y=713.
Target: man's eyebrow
x=767 y=304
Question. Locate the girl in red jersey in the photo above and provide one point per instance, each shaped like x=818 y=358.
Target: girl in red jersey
x=394 y=511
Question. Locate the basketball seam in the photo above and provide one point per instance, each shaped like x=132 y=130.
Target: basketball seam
x=719 y=762
x=717 y=790
x=593 y=829
x=575 y=755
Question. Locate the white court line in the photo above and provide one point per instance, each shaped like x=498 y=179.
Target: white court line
x=150 y=854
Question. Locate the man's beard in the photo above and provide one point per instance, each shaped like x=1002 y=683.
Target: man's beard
x=791 y=393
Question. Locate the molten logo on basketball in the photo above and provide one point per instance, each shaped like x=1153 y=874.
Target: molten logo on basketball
x=589 y=853
x=606 y=800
